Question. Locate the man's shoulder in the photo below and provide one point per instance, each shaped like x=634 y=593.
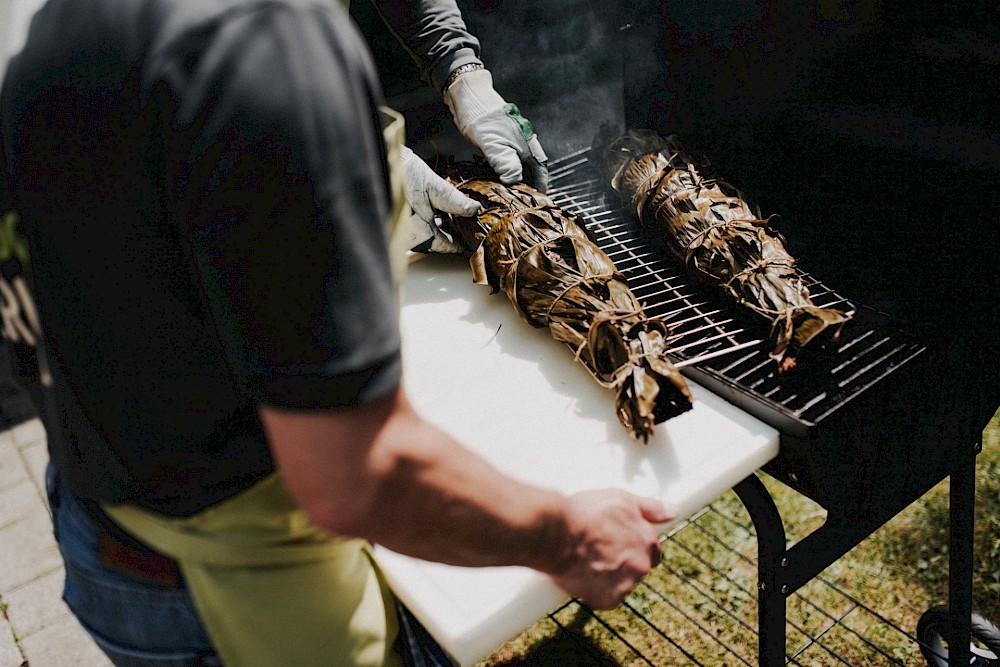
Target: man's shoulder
x=214 y=10
x=176 y=20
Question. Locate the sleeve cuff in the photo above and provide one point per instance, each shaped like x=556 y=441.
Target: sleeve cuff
x=317 y=392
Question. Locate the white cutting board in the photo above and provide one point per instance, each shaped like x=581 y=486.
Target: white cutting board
x=515 y=396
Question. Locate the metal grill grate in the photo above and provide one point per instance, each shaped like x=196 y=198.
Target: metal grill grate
x=717 y=345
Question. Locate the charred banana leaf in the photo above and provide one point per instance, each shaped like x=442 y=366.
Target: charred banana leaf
x=687 y=211
x=556 y=277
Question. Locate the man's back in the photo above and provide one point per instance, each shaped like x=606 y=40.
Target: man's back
x=153 y=170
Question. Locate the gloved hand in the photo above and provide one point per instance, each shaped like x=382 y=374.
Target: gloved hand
x=498 y=129
x=427 y=192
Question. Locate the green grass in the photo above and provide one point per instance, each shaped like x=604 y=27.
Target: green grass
x=700 y=599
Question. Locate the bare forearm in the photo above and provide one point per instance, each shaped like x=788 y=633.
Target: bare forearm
x=414 y=489
x=443 y=503
x=382 y=473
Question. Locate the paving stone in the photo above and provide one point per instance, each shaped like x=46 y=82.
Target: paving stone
x=27 y=550
x=21 y=501
x=28 y=433
x=36 y=458
x=36 y=605
x=63 y=644
x=12 y=468
x=10 y=654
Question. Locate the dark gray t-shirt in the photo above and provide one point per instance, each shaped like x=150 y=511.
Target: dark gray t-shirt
x=205 y=190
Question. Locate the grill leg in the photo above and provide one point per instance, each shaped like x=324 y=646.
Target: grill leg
x=962 y=504
x=771 y=549
x=771 y=626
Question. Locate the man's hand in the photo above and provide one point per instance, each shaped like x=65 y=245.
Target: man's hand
x=498 y=129
x=616 y=544
x=427 y=192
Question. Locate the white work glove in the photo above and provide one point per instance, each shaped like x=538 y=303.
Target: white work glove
x=498 y=129
x=427 y=192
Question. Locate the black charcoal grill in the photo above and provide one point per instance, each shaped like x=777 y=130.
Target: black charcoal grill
x=850 y=419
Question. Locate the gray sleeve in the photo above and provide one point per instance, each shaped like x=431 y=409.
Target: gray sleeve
x=433 y=32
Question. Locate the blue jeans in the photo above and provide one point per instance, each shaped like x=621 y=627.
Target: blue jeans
x=136 y=624
x=142 y=625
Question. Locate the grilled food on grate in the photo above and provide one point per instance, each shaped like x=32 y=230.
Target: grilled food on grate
x=556 y=277
x=688 y=211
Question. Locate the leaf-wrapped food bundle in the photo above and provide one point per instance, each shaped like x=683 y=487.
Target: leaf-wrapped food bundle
x=691 y=213
x=556 y=277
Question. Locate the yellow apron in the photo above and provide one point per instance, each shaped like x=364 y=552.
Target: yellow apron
x=271 y=589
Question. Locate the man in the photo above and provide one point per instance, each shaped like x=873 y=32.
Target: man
x=208 y=196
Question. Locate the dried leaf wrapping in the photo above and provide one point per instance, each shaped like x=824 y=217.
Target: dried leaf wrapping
x=689 y=212
x=556 y=277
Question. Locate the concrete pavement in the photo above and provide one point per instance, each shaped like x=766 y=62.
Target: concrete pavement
x=36 y=627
